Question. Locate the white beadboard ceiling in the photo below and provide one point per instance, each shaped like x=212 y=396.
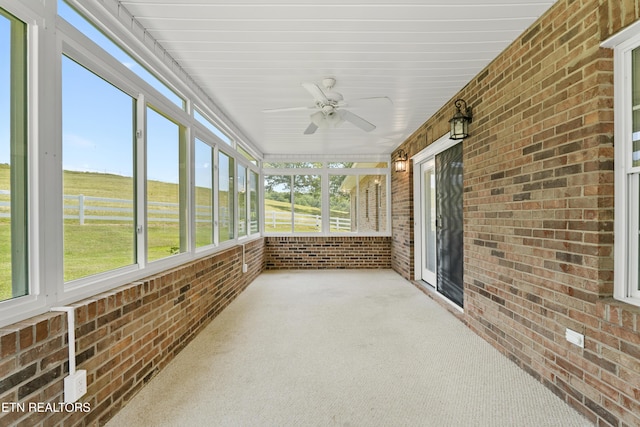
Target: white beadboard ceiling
x=252 y=55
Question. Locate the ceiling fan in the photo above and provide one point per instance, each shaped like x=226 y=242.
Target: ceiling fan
x=330 y=108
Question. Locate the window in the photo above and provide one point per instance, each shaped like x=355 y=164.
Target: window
x=166 y=197
x=98 y=170
x=130 y=188
x=293 y=203
x=247 y=156
x=307 y=209
x=331 y=198
x=242 y=201
x=626 y=46
x=14 y=281
x=213 y=128
x=204 y=194
x=254 y=213
x=277 y=204
x=89 y=30
x=342 y=204
x=292 y=165
x=226 y=192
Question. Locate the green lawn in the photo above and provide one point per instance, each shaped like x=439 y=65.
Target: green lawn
x=284 y=207
x=102 y=245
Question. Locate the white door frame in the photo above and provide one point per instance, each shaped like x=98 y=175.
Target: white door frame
x=430 y=152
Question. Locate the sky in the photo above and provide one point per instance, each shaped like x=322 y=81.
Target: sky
x=98 y=129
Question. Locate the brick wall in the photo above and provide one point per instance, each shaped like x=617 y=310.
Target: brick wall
x=124 y=337
x=293 y=252
x=538 y=210
x=402 y=221
x=372 y=209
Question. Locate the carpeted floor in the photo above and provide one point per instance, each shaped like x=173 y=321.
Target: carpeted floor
x=341 y=348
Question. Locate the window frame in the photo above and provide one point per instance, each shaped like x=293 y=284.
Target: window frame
x=35 y=301
x=197 y=137
x=324 y=172
x=88 y=54
x=626 y=176
x=45 y=46
x=231 y=191
x=135 y=205
x=184 y=186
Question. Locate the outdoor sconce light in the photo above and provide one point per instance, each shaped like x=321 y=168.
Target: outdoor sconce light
x=460 y=121
x=400 y=163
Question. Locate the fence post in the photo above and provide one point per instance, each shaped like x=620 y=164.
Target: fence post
x=81 y=208
x=273 y=218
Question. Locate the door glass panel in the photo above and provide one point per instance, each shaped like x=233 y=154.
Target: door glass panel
x=429 y=211
x=449 y=230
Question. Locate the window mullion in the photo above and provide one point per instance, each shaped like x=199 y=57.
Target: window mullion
x=184 y=185
x=141 y=182
x=216 y=201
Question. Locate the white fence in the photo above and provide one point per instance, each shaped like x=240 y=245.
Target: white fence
x=281 y=219
x=5 y=204
x=88 y=208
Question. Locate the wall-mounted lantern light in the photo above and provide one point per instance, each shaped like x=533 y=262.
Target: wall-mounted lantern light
x=400 y=163
x=460 y=121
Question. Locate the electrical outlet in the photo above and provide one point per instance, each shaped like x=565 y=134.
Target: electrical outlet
x=75 y=386
x=574 y=337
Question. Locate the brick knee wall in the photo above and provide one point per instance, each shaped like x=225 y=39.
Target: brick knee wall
x=293 y=252
x=124 y=337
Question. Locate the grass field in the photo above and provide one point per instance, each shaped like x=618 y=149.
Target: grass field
x=301 y=225
x=102 y=245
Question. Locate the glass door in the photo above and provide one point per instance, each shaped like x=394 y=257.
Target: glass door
x=428 y=218
x=449 y=235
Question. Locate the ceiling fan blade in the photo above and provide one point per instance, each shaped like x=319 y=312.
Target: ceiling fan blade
x=374 y=100
x=316 y=92
x=311 y=129
x=356 y=120
x=281 y=110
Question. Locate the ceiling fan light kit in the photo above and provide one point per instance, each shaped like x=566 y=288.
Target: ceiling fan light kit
x=330 y=106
